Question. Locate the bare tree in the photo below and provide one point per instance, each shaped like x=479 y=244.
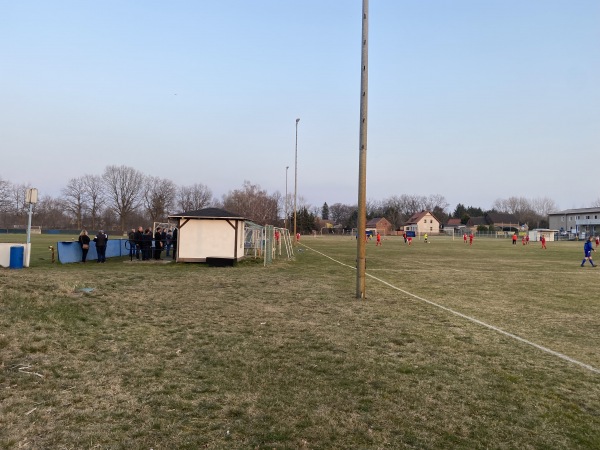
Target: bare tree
x=192 y=198
x=340 y=213
x=374 y=208
x=596 y=203
x=436 y=202
x=50 y=212
x=159 y=197
x=74 y=198
x=5 y=194
x=124 y=191
x=95 y=193
x=18 y=201
x=392 y=211
x=5 y=201
x=543 y=206
x=253 y=203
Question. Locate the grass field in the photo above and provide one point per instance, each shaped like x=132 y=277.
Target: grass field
x=168 y=356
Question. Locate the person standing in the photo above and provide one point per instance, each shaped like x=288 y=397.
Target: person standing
x=132 y=246
x=84 y=242
x=147 y=245
x=465 y=238
x=514 y=238
x=587 y=252
x=597 y=241
x=471 y=238
x=139 y=237
x=426 y=238
x=101 y=240
x=378 y=240
x=174 y=241
x=168 y=239
x=158 y=243
x=543 y=241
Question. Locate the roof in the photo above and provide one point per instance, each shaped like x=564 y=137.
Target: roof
x=479 y=220
x=373 y=222
x=418 y=216
x=500 y=218
x=576 y=211
x=207 y=213
x=454 y=221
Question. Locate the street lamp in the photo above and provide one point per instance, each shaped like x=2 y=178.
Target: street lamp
x=285 y=203
x=31 y=197
x=296 y=180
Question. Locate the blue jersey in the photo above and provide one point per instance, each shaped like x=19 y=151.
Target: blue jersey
x=587 y=248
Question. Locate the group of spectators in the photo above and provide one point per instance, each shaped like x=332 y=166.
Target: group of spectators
x=140 y=243
x=100 y=240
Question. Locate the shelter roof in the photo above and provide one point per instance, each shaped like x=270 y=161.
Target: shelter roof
x=208 y=213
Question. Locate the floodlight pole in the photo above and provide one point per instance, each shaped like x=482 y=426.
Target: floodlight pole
x=361 y=261
x=31 y=198
x=296 y=180
x=285 y=203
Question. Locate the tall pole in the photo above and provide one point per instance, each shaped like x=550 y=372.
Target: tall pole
x=29 y=223
x=296 y=180
x=286 y=199
x=361 y=260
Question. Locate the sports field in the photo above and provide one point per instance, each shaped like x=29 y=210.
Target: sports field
x=456 y=346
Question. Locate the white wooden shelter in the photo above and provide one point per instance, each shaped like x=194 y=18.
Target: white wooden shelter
x=209 y=233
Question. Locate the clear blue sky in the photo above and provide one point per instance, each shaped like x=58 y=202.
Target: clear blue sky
x=475 y=100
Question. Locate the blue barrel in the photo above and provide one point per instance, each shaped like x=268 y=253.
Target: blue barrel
x=16 y=257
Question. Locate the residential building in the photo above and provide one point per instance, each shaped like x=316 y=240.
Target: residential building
x=576 y=221
x=380 y=224
x=422 y=222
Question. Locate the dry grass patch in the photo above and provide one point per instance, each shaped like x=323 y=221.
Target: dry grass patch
x=186 y=356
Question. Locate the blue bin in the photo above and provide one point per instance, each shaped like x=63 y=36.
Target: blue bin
x=16 y=257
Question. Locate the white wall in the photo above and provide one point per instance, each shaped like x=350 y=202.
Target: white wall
x=199 y=239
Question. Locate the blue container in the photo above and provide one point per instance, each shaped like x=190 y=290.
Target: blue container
x=16 y=257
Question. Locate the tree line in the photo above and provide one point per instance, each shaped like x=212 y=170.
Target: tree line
x=123 y=197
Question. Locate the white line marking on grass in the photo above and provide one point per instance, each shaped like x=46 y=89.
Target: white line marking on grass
x=469 y=318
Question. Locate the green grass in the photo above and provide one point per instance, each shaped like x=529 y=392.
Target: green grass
x=187 y=356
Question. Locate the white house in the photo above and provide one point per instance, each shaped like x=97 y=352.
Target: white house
x=209 y=233
x=422 y=222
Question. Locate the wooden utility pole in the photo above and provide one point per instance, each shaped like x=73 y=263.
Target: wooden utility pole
x=361 y=260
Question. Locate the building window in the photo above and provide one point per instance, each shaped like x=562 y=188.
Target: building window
x=562 y=219
x=430 y=228
x=430 y=220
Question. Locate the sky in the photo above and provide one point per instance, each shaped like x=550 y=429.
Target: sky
x=474 y=100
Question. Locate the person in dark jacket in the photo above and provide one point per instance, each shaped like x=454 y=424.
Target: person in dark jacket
x=101 y=240
x=158 y=243
x=174 y=242
x=139 y=237
x=84 y=242
x=147 y=245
